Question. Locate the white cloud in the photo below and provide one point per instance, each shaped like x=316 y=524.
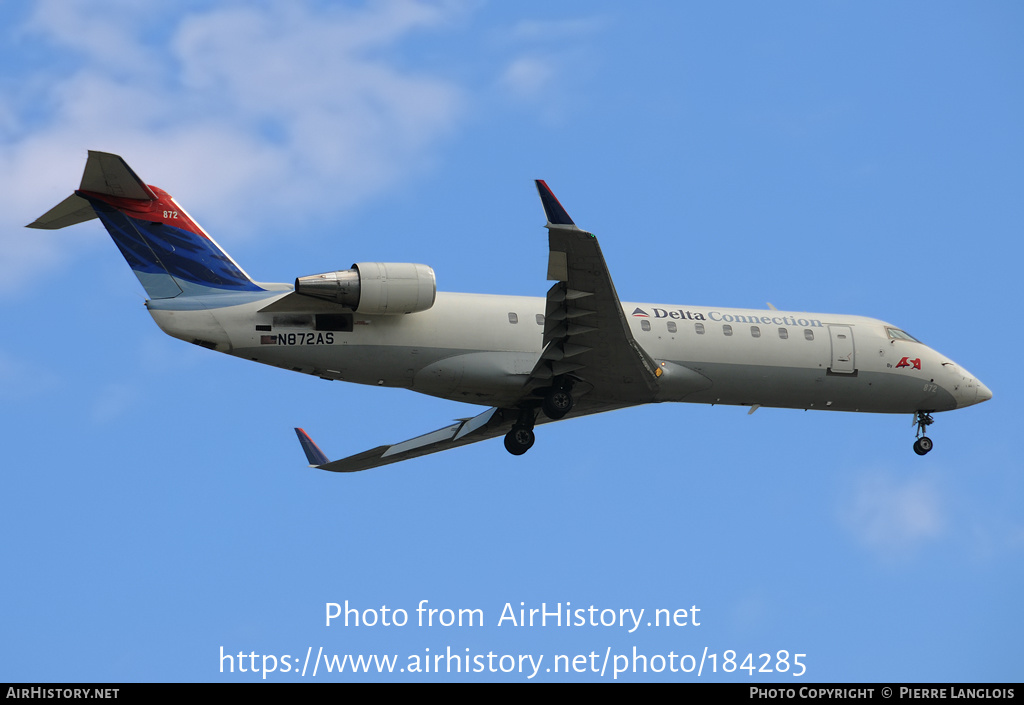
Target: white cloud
x=528 y=77
x=549 y=31
x=893 y=516
x=243 y=113
x=252 y=115
x=106 y=35
x=548 y=53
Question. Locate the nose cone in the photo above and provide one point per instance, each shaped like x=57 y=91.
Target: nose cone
x=984 y=393
x=970 y=390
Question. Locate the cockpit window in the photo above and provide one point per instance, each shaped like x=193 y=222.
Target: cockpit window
x=897 y=334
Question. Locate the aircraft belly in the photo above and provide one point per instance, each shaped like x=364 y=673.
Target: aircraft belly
x=801 y=388
x=435 y=352
x=380 y=365
x=677 y=382
x=477 y=377
x=200 y=327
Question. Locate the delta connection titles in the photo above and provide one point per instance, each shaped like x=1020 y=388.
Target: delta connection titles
x=734 y=317
x=557 y=615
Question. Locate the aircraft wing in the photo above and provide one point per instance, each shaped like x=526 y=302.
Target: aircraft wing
x=586 y=338
x=490 y=424
x=586 y=334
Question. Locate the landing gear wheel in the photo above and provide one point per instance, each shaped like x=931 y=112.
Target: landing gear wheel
x=922 y=445
x=923 y=420
x=557 y=403
x=519 y=440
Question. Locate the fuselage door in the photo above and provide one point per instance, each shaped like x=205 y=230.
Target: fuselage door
x=843 y=361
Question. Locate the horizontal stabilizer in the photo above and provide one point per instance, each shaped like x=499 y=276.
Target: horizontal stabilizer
x=170 y=254
x=71 y=211
x=105 y=174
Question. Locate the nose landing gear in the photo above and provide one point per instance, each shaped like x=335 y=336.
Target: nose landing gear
x=923 y=444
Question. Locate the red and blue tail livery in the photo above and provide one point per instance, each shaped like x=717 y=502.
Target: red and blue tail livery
x=168 y=251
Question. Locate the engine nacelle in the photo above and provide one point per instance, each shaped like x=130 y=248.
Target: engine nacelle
x=375 y=287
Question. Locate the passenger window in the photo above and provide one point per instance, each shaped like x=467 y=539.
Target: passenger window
x=699 y=327
x=671 y=326
x=784 y=333
x=808 y=333
x=513 y=318
x=755 y=332
x=540 y=319
x=727 y=329
x=646 y=325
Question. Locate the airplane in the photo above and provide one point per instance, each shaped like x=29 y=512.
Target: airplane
x=579 y=350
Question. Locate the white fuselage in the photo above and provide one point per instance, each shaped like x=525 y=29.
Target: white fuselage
x=481 y=348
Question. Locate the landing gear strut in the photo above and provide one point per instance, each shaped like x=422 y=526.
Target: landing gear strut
x=520 y=439
x=556 y=403
x=923 y=444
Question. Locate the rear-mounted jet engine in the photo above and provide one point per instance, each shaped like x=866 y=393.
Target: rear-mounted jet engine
x=375 y=287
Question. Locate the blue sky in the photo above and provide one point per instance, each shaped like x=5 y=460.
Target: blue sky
x=824 y=156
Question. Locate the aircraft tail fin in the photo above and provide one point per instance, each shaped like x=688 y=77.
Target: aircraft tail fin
x=168 y=251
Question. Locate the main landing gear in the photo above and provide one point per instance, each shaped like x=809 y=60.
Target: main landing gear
x=557 y=402
x=923 y=444
x=520 y=439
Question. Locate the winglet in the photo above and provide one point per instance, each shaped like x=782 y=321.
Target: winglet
x=554 y=211
x=314 y=455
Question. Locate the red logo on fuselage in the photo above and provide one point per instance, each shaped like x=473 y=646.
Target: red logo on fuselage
x=916 y=364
